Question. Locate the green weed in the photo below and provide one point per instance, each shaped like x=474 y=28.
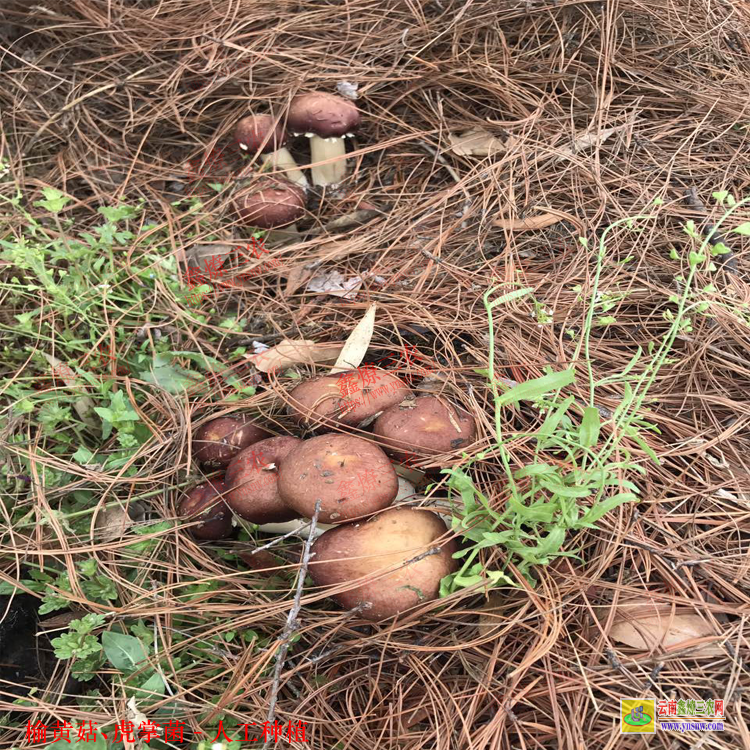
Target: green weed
x=594 y=469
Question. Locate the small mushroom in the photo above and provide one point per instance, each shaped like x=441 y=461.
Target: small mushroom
x=322 y=399
x=326 y=119
x=205 y=503
x=252 y=481
x=399 y=540
x=426 y=425
x=351 y=477
x=260 y=133
x=271 y=204
x=217 y=442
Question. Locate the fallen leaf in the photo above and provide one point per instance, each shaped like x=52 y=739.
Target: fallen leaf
x=296 y=277
x=332 y=282
x=475 y=142
x=288 y=353
x=112 y=523
x=351 y=219
x=491 y=616
x=197 y=254
x=84 y=405
x=651 y=626
x=589 y=140
x=358 y=342
x=542 y=221
x=134 y=713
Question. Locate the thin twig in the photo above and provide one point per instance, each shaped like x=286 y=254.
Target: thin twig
x=278 y=539
x=291 y=621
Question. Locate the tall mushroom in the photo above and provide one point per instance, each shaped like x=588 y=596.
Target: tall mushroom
x=261 y=133
x=326 y=119
x=271 y=204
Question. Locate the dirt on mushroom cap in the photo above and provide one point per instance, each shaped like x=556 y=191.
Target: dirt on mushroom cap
x=428 y=425
x=323 y=398
x=350 y=476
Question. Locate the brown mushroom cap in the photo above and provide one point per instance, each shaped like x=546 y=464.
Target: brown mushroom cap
x=368 y=391
x=252 y=130
x=253 y=492
x=270 y=203
x=204 y=504
x=386 y=541
x=426 y=425
x=350 y=476
x=326 y=115
x=217 y=442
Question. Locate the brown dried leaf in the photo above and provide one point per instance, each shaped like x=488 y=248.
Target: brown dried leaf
x=197 y=254
x=289 y=353
x=334 y=283
x=532 y=223
x=589 y=140
x=296 y=277
x=650 y=626
x=475 y=142
x=358 y=342
x=351 y=219
x=112 y=523
x=491 y=616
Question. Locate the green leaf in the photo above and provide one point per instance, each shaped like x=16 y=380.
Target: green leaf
x=533 y=389
x=597 y=511
x=54 y=200
x=553 y=419
x=743 y=228
x=534 y=470
x=590 y=426
x=123 y=651
x=720 y=196
x=563 y=491
x=154 y=684
x=171 y=378
x=509 y=297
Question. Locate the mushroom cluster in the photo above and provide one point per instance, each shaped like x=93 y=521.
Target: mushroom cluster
x=279 y=201
x=377 y=558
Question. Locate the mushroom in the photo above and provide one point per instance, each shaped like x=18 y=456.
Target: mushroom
x=217 y=442
x=347 y=398
x=351 y=477
x=271 y=204
x=252 y=478
x=206 y=502
x=261 y=133
x=399 y=540
x=326 y=119
x=426 y=425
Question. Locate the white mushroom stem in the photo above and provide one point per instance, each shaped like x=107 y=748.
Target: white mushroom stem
x=282 y=161
x=323 y=149
x=287 y=526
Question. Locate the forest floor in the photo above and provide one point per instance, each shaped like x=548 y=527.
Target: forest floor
x=542 y=216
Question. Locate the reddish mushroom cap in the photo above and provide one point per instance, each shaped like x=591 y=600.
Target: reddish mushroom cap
x=326 y=115
x=252 y=130
x=270 y=203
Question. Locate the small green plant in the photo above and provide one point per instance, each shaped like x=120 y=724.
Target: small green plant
x=589 y=475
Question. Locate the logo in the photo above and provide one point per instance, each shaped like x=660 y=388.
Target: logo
x=637 y=716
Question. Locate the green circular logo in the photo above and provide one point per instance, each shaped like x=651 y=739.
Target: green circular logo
x=637 y=720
